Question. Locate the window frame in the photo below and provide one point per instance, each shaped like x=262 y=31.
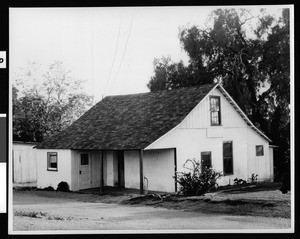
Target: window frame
x=49 y=168
x=210 y=159
x=88 y=158
x=231 y=173
x=256 y=150
x=211 y=111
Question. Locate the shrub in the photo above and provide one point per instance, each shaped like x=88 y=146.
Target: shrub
x=195 y=182
x=254 y=178
x=239 y=181
x=63 y=187
x=49 y=188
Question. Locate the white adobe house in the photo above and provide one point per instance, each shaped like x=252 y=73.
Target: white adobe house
x=124 y=139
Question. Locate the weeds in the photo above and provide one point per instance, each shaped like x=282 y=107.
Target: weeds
x=35 y=214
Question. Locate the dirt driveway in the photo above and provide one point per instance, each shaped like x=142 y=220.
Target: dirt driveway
x=63 y=211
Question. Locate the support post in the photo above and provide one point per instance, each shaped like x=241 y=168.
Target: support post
x=175 y=168
x=141 y=173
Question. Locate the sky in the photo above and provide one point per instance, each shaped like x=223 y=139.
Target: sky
x=112 y=49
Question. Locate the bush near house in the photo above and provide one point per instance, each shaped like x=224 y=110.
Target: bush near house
x=49 y=188
x=197 y=182
x=63 y=187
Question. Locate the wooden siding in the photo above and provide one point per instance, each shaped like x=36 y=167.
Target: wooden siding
x=24 y=163
x=200 y=115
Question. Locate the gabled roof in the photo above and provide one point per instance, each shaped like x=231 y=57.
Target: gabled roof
x=129 y=121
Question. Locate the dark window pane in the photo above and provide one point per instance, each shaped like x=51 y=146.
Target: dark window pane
x=205 y=160
x=227 y=158
x=227 y=149
x=228 y=166
x=53 y=165
x=84 y=159
x=52 y=161
x=259 y=150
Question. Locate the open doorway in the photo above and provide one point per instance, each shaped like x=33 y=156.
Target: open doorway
x=121 y=176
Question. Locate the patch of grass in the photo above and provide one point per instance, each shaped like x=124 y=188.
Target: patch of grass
x=232 y=207
x=35 y=214
x=27 y=188
x=250 y=187
x=218 y=205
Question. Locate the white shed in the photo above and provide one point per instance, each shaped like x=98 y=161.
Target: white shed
x=125 y=139
x=24 y=162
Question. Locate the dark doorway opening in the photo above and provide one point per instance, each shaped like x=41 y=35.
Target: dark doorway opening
x=121 y=176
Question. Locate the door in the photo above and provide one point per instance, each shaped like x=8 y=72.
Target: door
x=121 y=178
x=205 y=160
x=85 y=171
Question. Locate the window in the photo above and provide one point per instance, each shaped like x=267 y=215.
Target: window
x=84 y=159
x=259 y=150
x=215 y=110
x=205 y=160
x=227 y=158
x=52 y=161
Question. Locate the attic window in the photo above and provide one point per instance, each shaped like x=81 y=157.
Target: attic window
x=259 y=150
x=52 y=161
x=215 y=110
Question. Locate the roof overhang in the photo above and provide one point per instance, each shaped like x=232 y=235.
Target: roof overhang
x=26 y=143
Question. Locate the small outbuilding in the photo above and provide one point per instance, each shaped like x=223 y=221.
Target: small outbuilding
x=24 y=163
x=125 y=139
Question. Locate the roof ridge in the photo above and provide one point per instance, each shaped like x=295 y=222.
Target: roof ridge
x=162 y=91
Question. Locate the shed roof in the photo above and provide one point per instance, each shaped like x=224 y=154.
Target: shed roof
x=129 y=121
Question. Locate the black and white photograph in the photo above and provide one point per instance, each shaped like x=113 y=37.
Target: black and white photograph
x=173 y=119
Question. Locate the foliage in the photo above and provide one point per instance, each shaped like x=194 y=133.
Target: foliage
x=239 y=181
x=63 y=187
x=49 y=188
x=43 y=108
x=254 y=178
x=250 y=57
x=196 y=182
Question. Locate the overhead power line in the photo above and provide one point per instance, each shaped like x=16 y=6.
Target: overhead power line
x=113 y=62
x=124 y=50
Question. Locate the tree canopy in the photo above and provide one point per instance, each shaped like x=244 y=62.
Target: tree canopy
x=48 y=105
x=252 y=62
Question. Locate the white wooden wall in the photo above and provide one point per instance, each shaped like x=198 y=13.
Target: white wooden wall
x=47 y=178
x=24 y=163
x=158 y=168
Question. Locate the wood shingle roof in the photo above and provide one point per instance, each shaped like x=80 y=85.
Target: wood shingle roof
x=128 y=121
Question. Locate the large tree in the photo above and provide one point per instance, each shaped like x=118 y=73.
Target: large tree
x=251 y=60
x=46 y=105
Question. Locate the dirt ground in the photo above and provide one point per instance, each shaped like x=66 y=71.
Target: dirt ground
x=42 y=211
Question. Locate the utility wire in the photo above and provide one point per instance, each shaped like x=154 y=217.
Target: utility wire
x=124 y=50
x=116 y=49
x=93 y=55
